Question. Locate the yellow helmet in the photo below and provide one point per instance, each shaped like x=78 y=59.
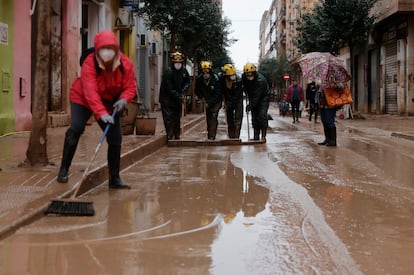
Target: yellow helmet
x=177 y=57
x=229 y=69
x=249 y=68
x=205 y=65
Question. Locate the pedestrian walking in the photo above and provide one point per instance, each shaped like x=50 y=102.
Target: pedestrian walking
x=174 y=85
x=257 y=90
x=106 y=84
x=207 y=88
x=311 y=90
x=328 y=114
x=232 y=90
x=295 y=96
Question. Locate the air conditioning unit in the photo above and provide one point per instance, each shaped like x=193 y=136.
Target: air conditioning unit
x=124 y=17
x=154 y=48
x=143 y=40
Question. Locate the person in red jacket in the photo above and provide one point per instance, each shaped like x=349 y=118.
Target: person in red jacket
x=106 y=84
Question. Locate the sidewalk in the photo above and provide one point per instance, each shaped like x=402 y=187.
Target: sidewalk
x=26 y=192
x=388 y=126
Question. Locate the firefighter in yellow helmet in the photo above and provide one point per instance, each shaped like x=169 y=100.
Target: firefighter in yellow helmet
x=232 y=90
x=207 y=88
x=174 y=85
x=257 y=89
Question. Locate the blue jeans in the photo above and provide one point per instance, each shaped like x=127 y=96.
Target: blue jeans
x=328 y=117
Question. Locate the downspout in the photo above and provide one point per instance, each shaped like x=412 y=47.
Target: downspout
x=31 y=12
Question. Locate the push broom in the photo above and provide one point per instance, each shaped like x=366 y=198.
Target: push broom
x=73 y=206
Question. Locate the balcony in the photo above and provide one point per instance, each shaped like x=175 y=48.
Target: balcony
x=386 y=8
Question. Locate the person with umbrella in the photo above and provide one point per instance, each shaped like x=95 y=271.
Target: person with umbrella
x=328 y=111
x=331 y=71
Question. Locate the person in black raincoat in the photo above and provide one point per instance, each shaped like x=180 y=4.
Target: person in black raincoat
x=257 y=90
x=232 y=90
x=207 y=88
x=311 y=90
x=174 y=85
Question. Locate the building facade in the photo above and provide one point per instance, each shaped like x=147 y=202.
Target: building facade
x=73 y=27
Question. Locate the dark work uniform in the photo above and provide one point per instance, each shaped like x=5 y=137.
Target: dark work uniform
x=310 y=97
x=258 y=93
x=174 y=85
x=233 y=102
x=209 y=90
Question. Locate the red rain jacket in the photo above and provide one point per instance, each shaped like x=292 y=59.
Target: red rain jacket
x=91 y=89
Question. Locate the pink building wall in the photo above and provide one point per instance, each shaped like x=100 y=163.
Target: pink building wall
x=22 y=65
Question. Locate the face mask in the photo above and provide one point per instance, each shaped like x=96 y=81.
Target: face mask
x=106 y=54
x=250 y=77
x=206 y=76
x=178 y=66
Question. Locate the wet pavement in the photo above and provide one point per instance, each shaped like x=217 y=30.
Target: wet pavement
x=25 y=192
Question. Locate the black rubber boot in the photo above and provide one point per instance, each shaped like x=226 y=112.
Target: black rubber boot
x=256 y=133
x=114 y=160
x=325 y=131
x=332 y=137
x=69 y=149
x=237 y=132
x=264 y=132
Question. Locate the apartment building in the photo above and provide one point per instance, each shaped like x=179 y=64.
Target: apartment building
x=383 y=81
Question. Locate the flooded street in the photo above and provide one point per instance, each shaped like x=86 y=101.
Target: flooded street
x=285 y=207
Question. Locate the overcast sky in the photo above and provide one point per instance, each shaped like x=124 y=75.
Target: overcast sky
x=245 y=16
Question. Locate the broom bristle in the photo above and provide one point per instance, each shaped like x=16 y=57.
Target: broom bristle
x=71 y=208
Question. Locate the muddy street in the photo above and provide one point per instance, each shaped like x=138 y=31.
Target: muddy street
x=285 y=207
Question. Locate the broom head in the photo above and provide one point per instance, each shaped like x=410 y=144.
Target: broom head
x=71 y=208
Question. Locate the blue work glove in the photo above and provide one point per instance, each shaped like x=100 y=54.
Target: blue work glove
x=248 y=108
x=119 y=106
x=107 y=119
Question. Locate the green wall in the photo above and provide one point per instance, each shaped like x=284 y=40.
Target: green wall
x=6 y=68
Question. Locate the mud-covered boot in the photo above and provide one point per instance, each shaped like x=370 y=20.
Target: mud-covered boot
x=114 y=159
x=69 y=149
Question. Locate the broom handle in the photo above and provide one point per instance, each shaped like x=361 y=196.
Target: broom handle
x=248 y=123
x=182 y=116
x=85 y=173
